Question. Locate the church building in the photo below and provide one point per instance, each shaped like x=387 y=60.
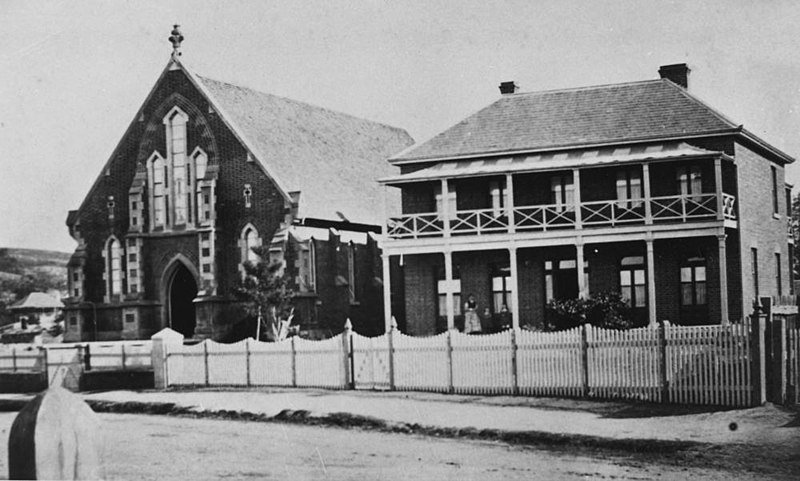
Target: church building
x=205 y=172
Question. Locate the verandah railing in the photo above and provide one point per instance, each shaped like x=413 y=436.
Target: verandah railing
x=604 y=213
x=688 y=365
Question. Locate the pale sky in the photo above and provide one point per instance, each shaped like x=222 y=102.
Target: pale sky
x=73 y=74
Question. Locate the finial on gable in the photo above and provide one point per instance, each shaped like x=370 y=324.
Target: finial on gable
x=176 y=38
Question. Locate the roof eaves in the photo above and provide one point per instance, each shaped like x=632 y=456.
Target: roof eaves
x=766 y=146
x=551 y=148
x=237 y=132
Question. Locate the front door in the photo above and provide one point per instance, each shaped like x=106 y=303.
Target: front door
x=182 y=291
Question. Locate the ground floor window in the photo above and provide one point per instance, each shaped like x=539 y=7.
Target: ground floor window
x=693 y=282
x=443 y=287
x=501 y=289
x=632 y=281
x=778 y=282
x=561 y=278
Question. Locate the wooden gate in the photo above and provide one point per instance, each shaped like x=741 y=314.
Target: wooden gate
x=370 y=361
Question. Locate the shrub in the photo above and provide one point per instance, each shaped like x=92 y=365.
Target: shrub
x=606 y=309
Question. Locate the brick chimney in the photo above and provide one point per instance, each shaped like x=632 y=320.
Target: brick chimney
x=508 y=87
x=678 y=73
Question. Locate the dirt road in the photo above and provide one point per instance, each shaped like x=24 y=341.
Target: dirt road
x=161 y=447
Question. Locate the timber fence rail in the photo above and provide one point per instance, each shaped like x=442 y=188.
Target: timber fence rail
x=710 y=365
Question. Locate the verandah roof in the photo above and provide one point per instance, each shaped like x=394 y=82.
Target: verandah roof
x=554 y=161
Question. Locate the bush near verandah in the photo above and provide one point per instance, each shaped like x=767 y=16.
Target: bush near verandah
x=606 y=309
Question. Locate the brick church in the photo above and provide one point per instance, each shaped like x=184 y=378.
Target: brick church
x=206 y=171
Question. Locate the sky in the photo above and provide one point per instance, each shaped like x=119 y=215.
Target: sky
x=74 y=73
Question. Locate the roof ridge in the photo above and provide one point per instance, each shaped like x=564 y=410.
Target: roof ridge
x=300 y=102
x=586 y=87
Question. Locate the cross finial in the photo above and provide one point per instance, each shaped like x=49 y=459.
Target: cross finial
x=176 y=38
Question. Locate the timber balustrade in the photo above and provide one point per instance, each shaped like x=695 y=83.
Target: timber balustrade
x=604 y=213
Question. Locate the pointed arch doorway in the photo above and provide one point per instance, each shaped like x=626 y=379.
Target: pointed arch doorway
x=181 y=291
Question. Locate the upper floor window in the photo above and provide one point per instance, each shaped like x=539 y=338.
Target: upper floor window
x=176 y=148
x=449 y=199
x=693 y=282
x=774 y=189
x=114 y=266
x=690 y=181
x=562 y=192
x=497 y=195
x=158 y=176
x=632 y=281
x=629 y=188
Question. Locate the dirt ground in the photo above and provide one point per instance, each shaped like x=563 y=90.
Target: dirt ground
x=163 y=447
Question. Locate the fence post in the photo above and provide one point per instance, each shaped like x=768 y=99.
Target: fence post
x=294 y=362
x=450 y=385
x=662 y=358
x=85 y=351
x=347 y=349
x=757 y=366
x=778 y=367
x=585 y=334
x=514 y=375
x=392 y=330
x=45 y=361
x=205 y=358
x=123 y=356
x=13 y=359
x=247 y=359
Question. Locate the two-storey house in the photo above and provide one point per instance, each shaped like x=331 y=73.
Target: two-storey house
x=638 y=188
x=205 y=172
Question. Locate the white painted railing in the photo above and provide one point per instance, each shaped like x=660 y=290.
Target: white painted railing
x=604 y=213
x=21 y=358
x=544 y=217
x=685 y=207
x=612 y=212
x=479 y=221
x=118 y=355
x=416 y=225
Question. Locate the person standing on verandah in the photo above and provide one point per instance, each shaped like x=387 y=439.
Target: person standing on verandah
x=472 y=322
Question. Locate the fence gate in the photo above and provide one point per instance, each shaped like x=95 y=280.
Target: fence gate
x=370 y=361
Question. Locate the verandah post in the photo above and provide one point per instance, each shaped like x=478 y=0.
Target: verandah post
x=585 y=329
x=662 y=360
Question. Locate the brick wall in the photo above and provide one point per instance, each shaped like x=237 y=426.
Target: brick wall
x=758 y=227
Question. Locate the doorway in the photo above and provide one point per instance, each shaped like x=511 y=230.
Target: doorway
x=181 y=293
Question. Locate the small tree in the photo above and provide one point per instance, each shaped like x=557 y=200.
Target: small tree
x=266 y=296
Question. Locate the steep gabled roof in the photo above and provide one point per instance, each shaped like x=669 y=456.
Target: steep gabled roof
x=557 y=119
x=332 y=158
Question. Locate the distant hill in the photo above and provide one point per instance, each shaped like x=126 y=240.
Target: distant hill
x=26 y=270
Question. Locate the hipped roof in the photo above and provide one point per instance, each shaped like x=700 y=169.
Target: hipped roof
x=36 y=300
x=572 y=118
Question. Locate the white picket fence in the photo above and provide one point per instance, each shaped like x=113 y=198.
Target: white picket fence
x=687 y=365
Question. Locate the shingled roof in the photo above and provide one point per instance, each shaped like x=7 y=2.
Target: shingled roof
x=332 y=159
x=648 y=110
